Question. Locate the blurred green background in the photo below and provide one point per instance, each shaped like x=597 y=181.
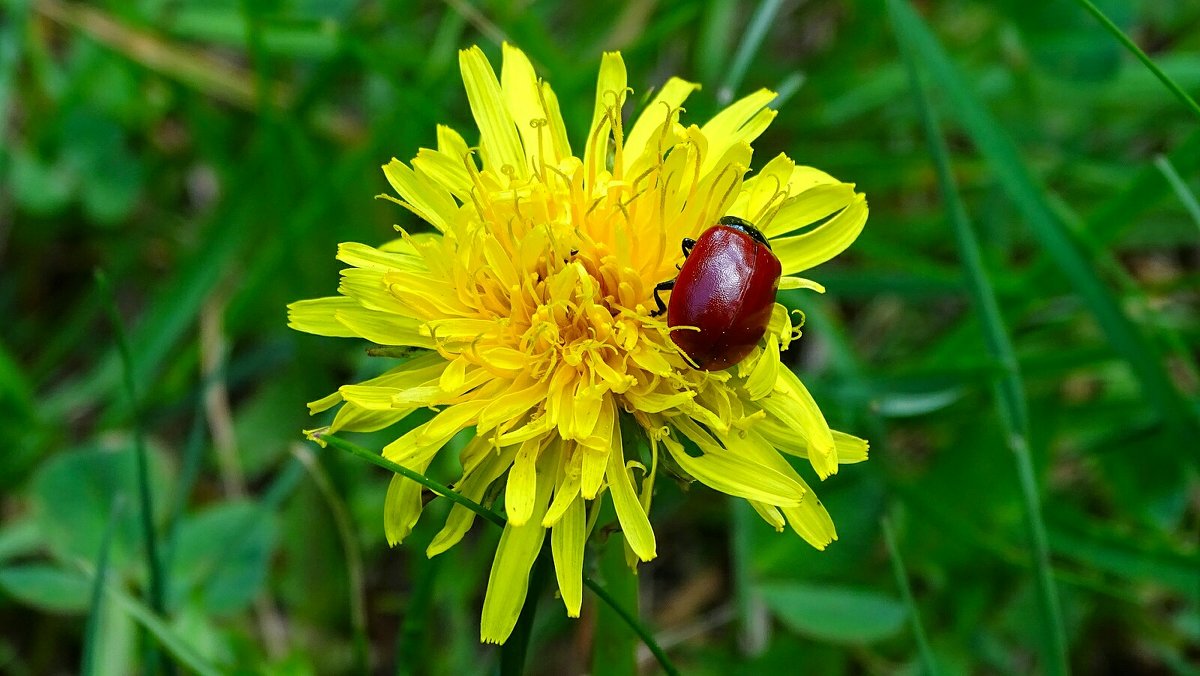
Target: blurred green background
x=209 y=155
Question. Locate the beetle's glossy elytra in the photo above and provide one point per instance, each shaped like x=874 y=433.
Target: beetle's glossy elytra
x=726 y=289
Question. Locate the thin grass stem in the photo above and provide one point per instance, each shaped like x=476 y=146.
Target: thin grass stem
x=91 y=646
x=1141 y=56
x=914 y=619
x=752 y=39
x=157 y=583
x=354 y=565
x=634 y=624
x=1182 y=191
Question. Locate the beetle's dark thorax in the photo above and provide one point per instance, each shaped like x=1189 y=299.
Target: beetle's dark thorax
x=744 y=226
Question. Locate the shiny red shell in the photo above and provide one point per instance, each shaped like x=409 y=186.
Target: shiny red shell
x=726 y=289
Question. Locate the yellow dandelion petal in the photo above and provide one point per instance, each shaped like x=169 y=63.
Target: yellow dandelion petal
x=501 y=146
x=529 y=293
x=770 y=514
x=823 y=242
x=353 y=418
x=595 y=451
x=810 y=206
x=369 y=397
x=664 y=108
x=567 y=489
x=733 y=474
x=558 y=130
x=632 y=516
x=325 y=403
x=363 y=256
x=810 y=520
x=850 y=449
x=424 y=197
x=788 y=283
x=761 y=380
x=567 y=540
x=447 y=170
x=796 y=408
x=610 y=94
x=317 y=316
x=518 y=548
x=522 y=94
x=402 y=506
x=522 y=483
x=383 y=328
x=473 y=485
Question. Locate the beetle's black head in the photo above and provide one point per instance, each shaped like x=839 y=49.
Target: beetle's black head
x=742 y=225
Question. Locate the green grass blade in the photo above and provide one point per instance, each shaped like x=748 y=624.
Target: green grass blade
x=189 y=474
x=1116 y=213
x=1010 y=392
x=1046 y=225
x=91 y=648
x=172 y=311
x=1141 y=56
x=157 y=582
x=1179 y=186
x=498 y=520
x=715 y=38
x=752 y=39
x=167 y=637
x=914 y=619
x=787 y=89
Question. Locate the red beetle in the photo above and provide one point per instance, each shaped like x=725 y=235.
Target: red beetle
x=725 y=288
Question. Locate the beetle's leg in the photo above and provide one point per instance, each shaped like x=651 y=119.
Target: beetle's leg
x=687 y=245
x=663 y=286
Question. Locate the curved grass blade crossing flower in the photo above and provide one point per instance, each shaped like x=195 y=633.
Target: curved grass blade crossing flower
x=531 y=293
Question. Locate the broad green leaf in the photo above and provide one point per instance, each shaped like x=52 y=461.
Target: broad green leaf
x=19 y=537
x=221 y=556
x=72 y=493
x=204 y=633
x=226 y=25
x=110 y=177
x=40 y=186
x=836 y=614
x=46 y=587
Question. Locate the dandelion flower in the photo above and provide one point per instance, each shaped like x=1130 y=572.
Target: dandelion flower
x=532 y=302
